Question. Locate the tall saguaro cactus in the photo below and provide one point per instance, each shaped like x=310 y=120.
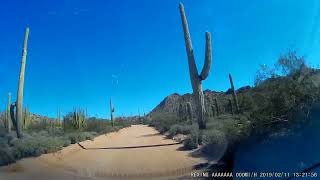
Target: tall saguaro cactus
x=196 y=79
x=234 y=94
x=111 y=112
x=17 y=117
x=8 y=118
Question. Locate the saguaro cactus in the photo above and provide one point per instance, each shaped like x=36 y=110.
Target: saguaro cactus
x=112 y=111
x=196 y=79
x=189 y=112
x=231 y=107
x=234 y=94
x=8 y=118
x=17 y=117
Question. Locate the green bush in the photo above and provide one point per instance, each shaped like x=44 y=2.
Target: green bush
x=179 y=129
x=163 y=122
x=213 y=137
x=35 y=146
x=192 y=140
x=6 y=156
x=96 y=125
x=76 y=137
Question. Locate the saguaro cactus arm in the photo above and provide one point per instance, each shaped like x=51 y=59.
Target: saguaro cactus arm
x=208 y=58
x=191 y=61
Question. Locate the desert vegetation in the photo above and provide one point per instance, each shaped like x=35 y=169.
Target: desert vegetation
x=33 y=135
x=280 y=100
x=46 y=135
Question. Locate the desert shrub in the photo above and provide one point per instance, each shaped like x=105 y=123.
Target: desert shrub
x=191 y=142
x=96 y=125
x=246 y=102
x=76 y=137
x=6 y=156
x=36 y=146
x=231 y=130
x=179 y=129
x=87 y=135
x=213 y=136
x=163 y=122
x=66 y=142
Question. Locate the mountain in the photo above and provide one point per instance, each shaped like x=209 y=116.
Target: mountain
x=175 y=104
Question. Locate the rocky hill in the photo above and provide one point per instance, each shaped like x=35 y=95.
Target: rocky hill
x=175 y=104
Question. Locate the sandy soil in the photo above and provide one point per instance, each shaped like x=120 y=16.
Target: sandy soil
x=75 y=163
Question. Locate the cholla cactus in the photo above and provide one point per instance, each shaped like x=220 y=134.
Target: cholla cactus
x=195 y=77
x=17 y=117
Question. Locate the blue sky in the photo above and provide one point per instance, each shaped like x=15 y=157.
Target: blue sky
x=82 y=52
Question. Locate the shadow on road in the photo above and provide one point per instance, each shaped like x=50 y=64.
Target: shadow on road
x=129 y=147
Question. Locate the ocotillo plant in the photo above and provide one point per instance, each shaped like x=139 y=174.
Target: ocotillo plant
x=112 y=111
x=196 y=79
x=17 y=117
x=8 y=118
x=234 y=94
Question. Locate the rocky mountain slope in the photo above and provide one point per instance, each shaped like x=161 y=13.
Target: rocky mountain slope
x=175 y=104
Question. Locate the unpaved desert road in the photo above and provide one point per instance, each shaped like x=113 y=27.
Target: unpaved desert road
x=97 y=162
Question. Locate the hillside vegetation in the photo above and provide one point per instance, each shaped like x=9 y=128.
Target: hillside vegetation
x=279 y=101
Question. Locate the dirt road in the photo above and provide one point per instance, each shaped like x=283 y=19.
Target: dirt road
x=104 y=158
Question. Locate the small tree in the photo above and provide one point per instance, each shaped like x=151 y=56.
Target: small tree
x=287 y=64
x=290 y=63
x=263 y=73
